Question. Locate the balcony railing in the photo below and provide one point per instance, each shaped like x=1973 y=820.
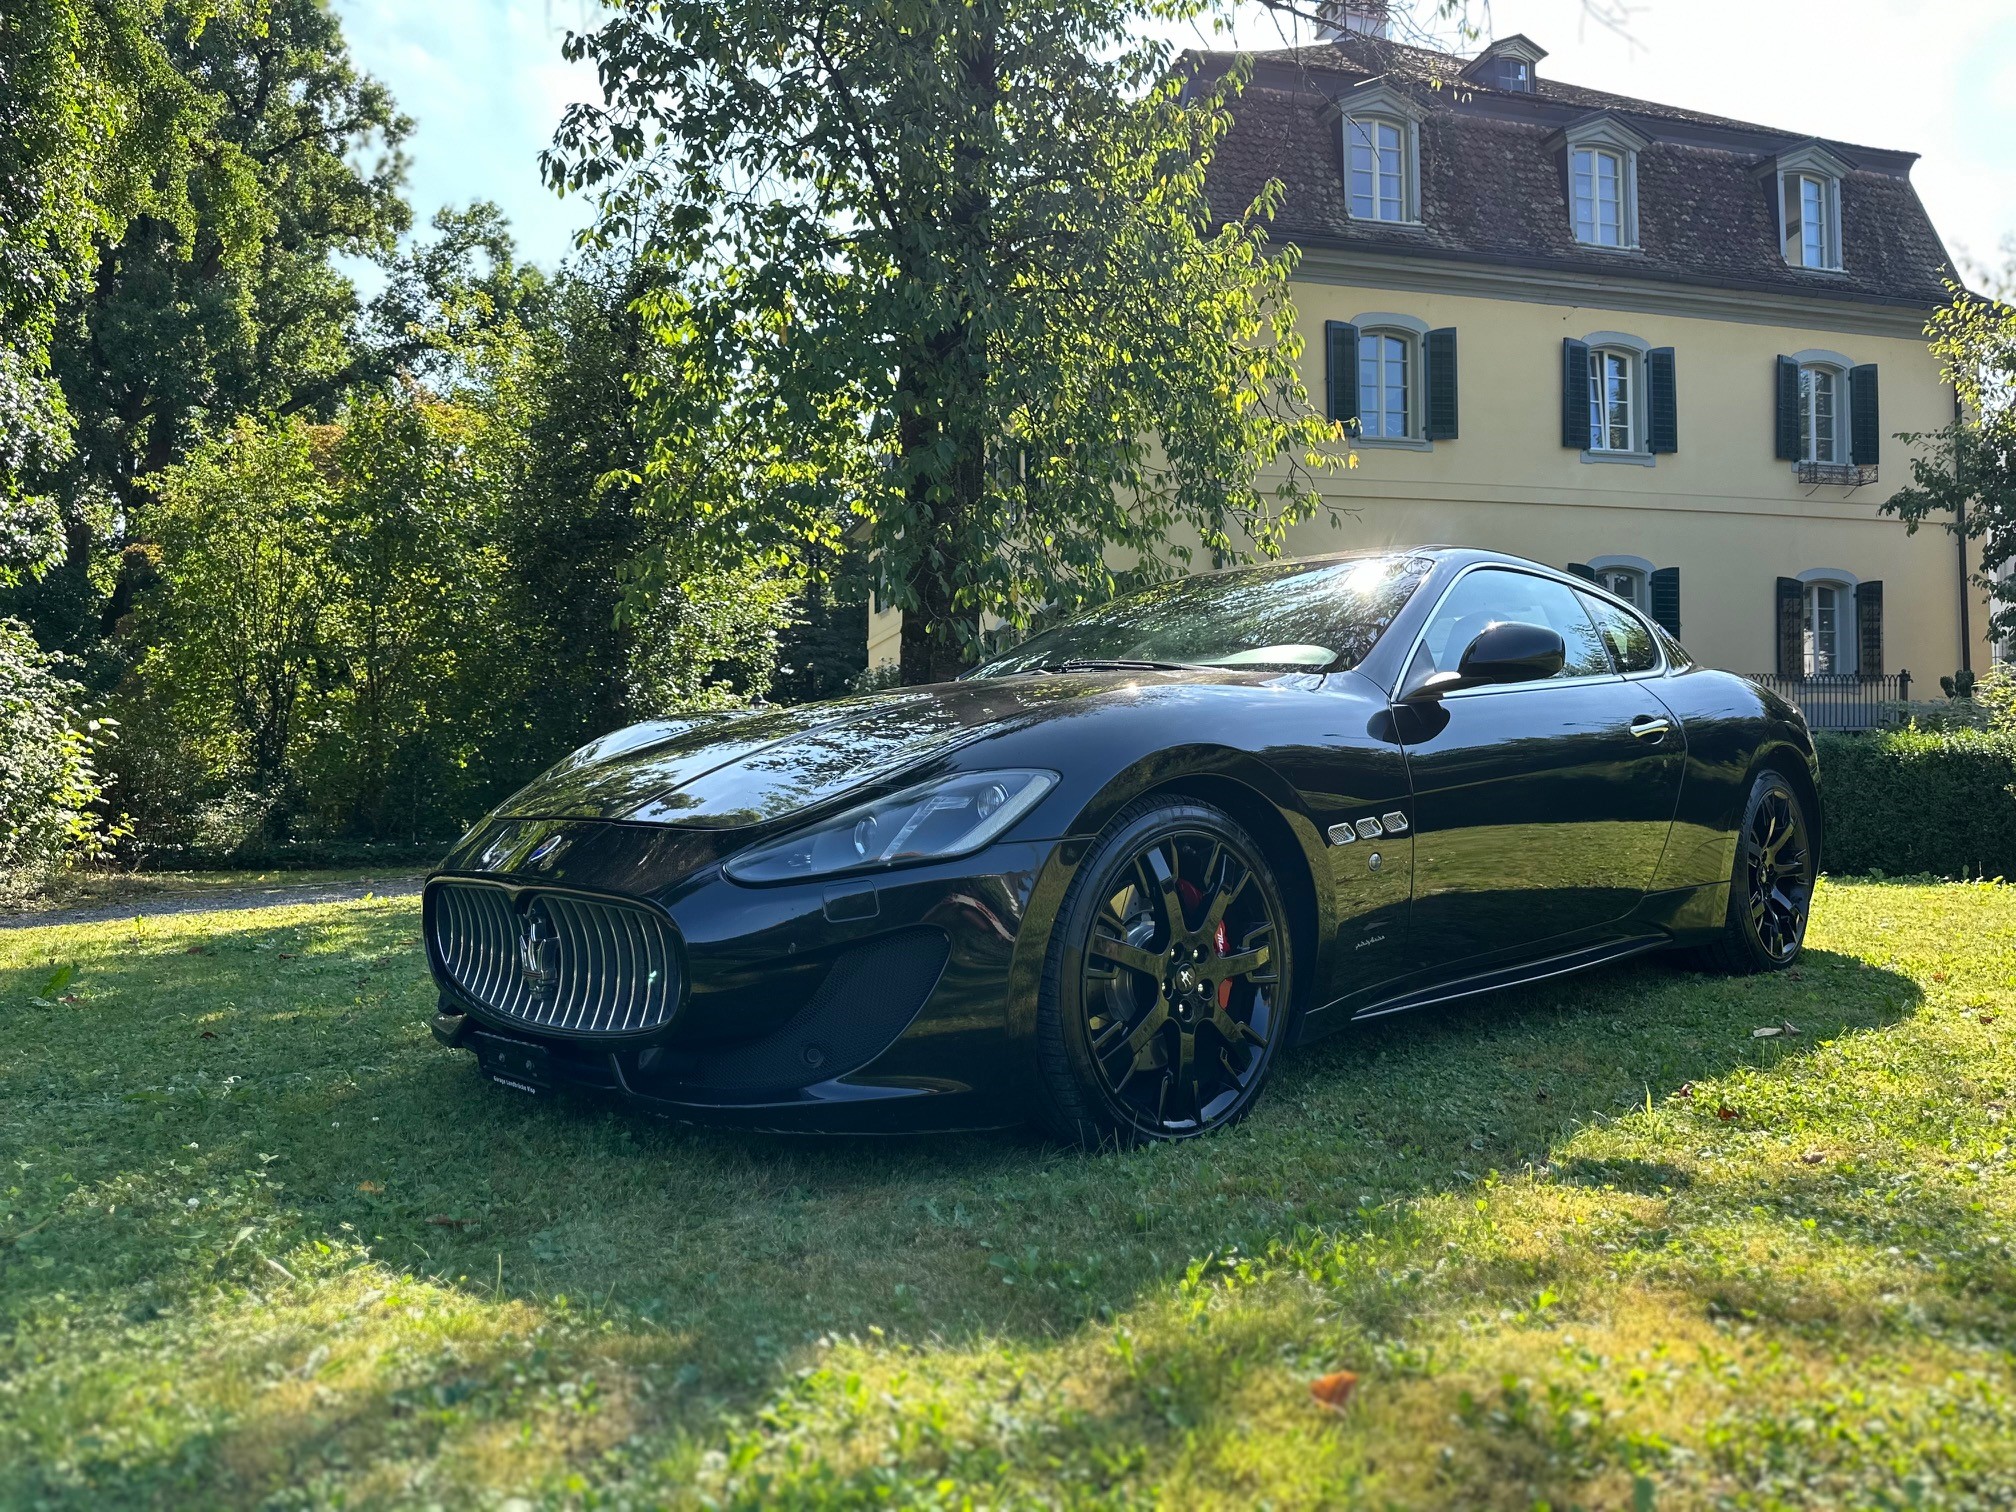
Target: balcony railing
x=1839 y=474
x=1842 y=703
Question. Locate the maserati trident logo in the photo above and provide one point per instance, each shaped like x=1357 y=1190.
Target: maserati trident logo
x=548 y=851
x=538 y=951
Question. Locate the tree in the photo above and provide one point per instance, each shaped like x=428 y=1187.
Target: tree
x=246 y=576
x=1964 y=475
x=950 y=270
x=216 y=295
x=96 y=128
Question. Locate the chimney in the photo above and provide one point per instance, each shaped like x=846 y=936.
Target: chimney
x=1363 y=18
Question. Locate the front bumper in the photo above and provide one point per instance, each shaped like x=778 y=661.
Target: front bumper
x=895 y=1003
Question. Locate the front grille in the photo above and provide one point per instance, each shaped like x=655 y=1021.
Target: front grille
x=552 y=960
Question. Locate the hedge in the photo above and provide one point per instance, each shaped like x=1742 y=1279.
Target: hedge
x=1919 y=802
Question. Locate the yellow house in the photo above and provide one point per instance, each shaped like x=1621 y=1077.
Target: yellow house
x=1671 y=351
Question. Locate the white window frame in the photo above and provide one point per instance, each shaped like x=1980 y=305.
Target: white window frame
x=1411 y=331
x=1632 y=366
x=1633 y=349
x=1630 y=584
x=1835 y=365
x=1815 y=165
x=1589 y=162
x=1384 y=191
x=1847 y=622
x=1372 y=402
x=1372 y=106
x=1608 y=136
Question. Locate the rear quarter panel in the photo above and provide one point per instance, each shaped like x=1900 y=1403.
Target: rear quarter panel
x=1733 y=727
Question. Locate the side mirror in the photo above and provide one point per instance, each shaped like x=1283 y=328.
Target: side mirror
x=1505 y=653
x=1512 y=653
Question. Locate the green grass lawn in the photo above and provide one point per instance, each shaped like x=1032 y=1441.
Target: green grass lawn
x=107 y=889
x=262 y=1243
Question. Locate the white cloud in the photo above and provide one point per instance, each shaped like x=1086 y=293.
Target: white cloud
x=485 y=84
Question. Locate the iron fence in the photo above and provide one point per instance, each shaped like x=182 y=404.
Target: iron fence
x=1843 y=703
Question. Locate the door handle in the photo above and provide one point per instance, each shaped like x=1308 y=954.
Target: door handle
x=1651 y=727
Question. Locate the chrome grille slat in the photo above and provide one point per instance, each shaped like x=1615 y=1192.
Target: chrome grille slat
x=613 y=965
x=637 y=954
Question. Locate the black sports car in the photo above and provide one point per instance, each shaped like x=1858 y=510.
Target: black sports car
x=1105 y=880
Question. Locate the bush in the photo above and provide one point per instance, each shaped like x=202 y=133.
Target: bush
x=1920 y=802
x=49 y=787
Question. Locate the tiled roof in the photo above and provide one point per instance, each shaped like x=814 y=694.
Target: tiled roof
x=1493 y=180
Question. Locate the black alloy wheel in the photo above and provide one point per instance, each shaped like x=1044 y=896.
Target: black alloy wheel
x=1165 y=994
x=1771 y=894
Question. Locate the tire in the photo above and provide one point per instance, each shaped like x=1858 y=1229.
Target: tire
x=1149 y=1032
x=1771 y=887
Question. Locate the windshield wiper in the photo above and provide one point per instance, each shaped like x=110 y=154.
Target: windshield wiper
x=1115 y=664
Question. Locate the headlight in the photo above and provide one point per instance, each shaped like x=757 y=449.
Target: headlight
x=953 y=816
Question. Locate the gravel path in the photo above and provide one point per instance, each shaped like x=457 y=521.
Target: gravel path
x=275 y=895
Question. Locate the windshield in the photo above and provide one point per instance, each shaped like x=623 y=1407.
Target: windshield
x=1287 y=616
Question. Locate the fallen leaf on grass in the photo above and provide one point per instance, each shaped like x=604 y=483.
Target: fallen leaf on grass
x=1725 y=1113
x=440 y=1221
x=1334 y=1391
x=1938 y=976
x=370 y=1186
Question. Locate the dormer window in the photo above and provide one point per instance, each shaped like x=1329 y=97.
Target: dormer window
x=1809 y=208
x=1602 y=162
x=1378 y=169
x=1382 y=154
x=1599 y=196
x=1507 y=64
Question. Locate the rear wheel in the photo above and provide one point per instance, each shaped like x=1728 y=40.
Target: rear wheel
x=1166 y=989
x=1771 y=892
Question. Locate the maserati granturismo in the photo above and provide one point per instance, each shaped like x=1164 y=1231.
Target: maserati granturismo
x=1103 y=882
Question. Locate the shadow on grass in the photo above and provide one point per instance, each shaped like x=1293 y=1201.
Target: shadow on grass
x=224 y=1112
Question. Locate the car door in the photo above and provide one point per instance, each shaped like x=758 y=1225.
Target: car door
x=1541 y=808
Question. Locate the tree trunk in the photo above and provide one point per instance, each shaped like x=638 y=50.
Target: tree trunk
x=951 y=394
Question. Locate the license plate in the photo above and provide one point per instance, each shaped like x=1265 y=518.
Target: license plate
x=518 y=1064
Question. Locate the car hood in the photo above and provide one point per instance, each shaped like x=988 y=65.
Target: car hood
x=723 y=770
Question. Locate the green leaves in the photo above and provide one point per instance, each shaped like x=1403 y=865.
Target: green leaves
x=52 y=990
x=950 y=275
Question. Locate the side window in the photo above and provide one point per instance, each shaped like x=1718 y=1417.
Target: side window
x=1626 y=635
x=1494 y=597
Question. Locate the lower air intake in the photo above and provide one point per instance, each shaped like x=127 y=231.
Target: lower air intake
x=556 y=961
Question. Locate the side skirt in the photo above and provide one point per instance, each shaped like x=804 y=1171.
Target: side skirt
x=1507 y=976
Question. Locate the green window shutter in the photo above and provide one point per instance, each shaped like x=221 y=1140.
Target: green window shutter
x=1791 y=628
x=1663 y=400
x=1340 y=355
x=1869 y=629
x=1583 y=570
x=1440 y=351
x=1575 y=394
x=1865 y=429
x=1664 y=591
x=1791 y=445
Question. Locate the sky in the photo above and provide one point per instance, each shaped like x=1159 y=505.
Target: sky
x=485 y=82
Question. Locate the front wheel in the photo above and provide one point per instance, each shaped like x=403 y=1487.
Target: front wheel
x=1166 y=988
x=1771 y=891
